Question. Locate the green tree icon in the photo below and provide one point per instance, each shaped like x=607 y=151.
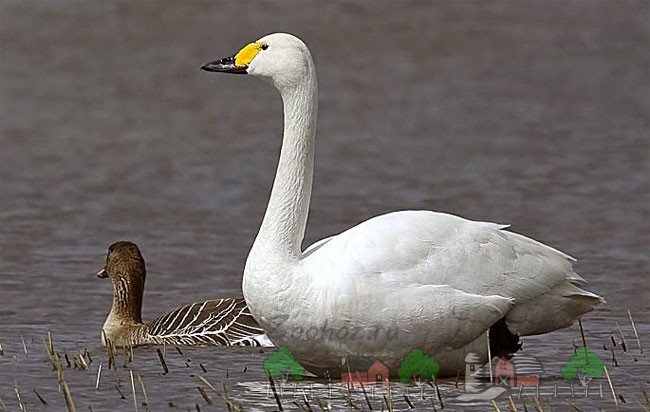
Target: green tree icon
x=418 y=364
x=283 y=361
x=585 y=365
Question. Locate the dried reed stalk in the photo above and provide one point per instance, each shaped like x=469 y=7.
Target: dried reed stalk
x=144 y=392
x=20 y=400
x=611 y=387
x=99 y=376
x=40 y=398
x=205 y=396
x=162 y=361
x=636 y=334
x=22 y=338
x=135 y=397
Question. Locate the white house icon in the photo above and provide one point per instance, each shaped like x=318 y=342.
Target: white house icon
x=472 y=364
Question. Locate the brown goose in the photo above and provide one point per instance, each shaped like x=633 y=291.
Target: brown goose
x=213 y=322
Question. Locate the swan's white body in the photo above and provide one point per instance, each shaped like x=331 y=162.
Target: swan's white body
x=396 y=282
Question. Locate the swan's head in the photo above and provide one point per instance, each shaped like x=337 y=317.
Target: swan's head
x=280 y=58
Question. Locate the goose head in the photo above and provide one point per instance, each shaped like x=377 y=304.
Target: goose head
x=279 y=58
x=126 y=269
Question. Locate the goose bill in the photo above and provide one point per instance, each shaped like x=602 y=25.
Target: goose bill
x=102 y=274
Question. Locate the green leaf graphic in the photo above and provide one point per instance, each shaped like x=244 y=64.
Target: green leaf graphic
x=283 y=361
x=418 y=364
x=585 y=363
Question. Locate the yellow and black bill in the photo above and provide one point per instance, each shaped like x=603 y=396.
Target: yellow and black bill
x=238 y=62
x=225 y=65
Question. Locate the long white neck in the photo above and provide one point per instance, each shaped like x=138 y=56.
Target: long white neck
x=285 y=220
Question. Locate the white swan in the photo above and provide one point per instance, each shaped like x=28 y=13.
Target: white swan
x=403 y=280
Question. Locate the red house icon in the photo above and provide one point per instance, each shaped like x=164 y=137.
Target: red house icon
x=364 y=371
x=516 y=374
x=504 y=370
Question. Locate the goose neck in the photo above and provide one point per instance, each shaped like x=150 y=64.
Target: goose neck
x=127 y=301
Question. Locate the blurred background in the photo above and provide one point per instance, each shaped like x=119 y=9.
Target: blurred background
x=529 y=113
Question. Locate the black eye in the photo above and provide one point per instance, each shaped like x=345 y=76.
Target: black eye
x=265 y=46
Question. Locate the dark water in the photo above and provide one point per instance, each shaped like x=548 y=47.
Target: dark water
x=530 y=113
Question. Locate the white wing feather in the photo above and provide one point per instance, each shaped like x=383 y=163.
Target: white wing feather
x=411 y=249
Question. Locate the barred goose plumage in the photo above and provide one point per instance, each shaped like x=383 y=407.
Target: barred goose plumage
x=213 y=322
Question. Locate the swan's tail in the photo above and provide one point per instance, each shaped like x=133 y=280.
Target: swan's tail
x=559 y=308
